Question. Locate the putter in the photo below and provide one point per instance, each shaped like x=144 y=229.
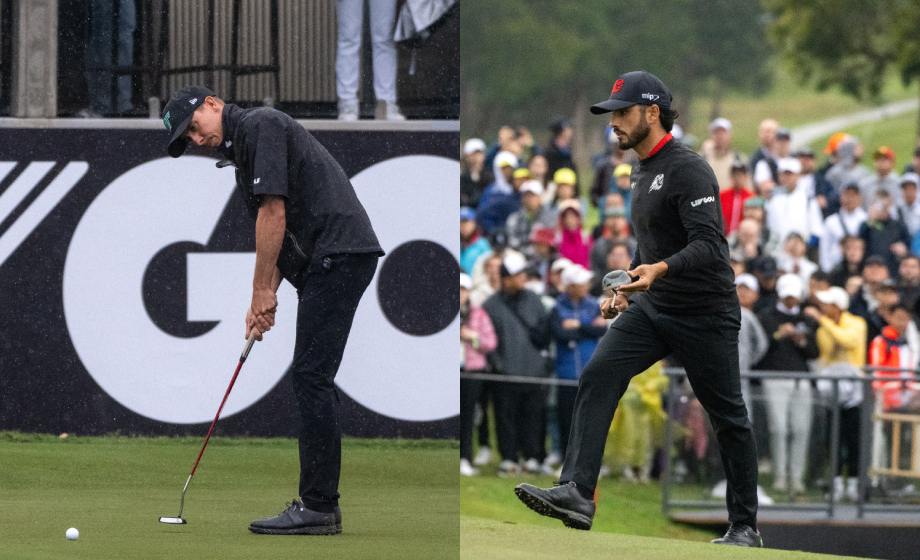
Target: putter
x=615 y=279
x=178 y=519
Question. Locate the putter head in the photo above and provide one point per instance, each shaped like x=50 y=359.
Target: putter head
x=173 y=520
x=615 y=279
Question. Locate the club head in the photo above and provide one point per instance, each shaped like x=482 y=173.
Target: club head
x=173 y=520
x=615 y=279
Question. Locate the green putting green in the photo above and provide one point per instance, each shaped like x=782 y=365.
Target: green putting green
x=399 y=498
x=483 y=539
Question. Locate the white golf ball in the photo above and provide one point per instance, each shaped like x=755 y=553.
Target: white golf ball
x=72 y=533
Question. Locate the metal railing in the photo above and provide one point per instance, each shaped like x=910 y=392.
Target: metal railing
x=869 y=414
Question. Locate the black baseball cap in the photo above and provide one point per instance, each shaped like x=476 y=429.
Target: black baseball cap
x=178 y=114
x=635 y=88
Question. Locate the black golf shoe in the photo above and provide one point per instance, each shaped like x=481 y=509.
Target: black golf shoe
x=298 y=519
x=741 y=535
x=561 y=502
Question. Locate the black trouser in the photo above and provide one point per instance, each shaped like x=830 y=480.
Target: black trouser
x=469 y=394
x=519 y=420
x=707 y=345
x=325 y=312
x=849 y=441
x=565 y=406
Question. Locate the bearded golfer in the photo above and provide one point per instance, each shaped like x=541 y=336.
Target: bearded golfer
x=312 y=231
x=682 y=300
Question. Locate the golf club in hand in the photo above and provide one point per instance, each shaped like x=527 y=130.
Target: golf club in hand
x=178 y=519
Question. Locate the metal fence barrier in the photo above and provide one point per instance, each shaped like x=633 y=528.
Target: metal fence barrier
x=869 y=414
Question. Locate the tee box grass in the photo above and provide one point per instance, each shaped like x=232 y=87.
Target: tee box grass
x=399 y=498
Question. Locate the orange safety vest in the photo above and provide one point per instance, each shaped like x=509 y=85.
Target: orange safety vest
x=889 y=350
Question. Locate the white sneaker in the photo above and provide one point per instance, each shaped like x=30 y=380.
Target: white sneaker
x=605 y=471
x=720 y=490
x=762 y=498
x=508 y=468
x=348 y=110
x=483 y=456
x=853 y=489
x=466 y=469
x=392 y=112
x=838 y=488
x=532 y=466
x=629 y=475
x=552 y=459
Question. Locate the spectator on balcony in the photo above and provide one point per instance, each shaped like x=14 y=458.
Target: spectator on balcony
x=477 y=337
x=474 y=176
x=789 y=401
x=846 y=221
x=347 y=62
x=522 y=327
x=841 y=340
x=577 y=326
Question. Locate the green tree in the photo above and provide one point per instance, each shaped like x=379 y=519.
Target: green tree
x=849 y=44
x=528 y=60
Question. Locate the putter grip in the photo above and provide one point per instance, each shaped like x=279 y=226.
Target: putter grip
x=249 y=343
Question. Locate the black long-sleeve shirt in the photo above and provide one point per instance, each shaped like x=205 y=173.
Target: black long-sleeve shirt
x=677 y=218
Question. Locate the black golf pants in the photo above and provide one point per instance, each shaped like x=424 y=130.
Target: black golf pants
x=707 y=345
x=325 y=312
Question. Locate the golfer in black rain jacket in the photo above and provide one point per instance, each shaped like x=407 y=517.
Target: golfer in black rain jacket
x=312 y=231
x=682 y=300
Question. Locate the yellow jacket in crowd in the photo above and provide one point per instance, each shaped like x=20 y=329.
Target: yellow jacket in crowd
x=843 y=342
x=639 y=420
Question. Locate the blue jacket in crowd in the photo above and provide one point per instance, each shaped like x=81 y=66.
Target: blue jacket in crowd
x=569 y=362
x=494 y=209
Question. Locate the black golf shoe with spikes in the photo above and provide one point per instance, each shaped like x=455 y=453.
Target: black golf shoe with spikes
x=298 y=519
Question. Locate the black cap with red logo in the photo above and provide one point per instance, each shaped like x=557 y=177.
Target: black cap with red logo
x=635 y=88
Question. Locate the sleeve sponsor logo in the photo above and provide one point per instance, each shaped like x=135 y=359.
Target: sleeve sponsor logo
x=704 y=200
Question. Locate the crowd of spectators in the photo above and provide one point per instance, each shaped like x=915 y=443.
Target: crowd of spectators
x=827 y=273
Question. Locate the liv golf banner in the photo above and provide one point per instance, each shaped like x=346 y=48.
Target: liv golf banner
x=125 y=276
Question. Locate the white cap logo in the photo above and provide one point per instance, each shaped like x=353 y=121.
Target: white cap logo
x=194 y=99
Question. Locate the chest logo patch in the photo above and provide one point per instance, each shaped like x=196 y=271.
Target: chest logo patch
x=705 y=200
x=227 y=143
x=657 y=183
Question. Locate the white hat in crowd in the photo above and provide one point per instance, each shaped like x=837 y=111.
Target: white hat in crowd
x=473 y=145
x=466 y=281
x=747 y=280
x=789 y=164
x=789 y=285
x=576 y=274
x=505 y=158
x=720 y=123
x=560 y=264
x=835 y=295
x=532 y=186
x=514 y=262
x=910 y=177
x=677 y=132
